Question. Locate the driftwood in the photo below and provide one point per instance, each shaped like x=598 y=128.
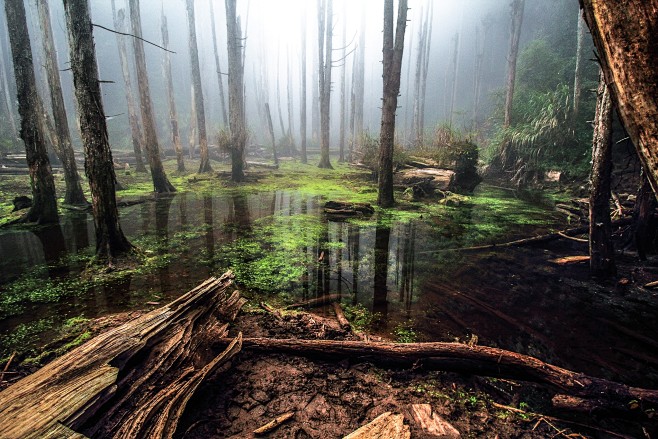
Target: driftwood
x=384 y=426
x=131 y=381
x=479 y=360
x=274 y=423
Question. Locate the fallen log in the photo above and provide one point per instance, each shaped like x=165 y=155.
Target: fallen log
x=340 y=316
x=131 y=381
x=457 y=357
x=570 y=260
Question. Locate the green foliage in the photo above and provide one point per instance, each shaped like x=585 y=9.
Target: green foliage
x=360 y=317
x=405 y=332
x=367 y=152
x=540 y=68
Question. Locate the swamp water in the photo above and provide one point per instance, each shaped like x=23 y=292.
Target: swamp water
x=396 y=273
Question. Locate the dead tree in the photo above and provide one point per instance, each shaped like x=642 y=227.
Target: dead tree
x=192 y=124
x=580 y=61
x=455 y=74
x=392 y=62
x=601 y=250
x=325 y=37
x=627 y=51
x=133 y=119
x=110 y=240
x=6 y=98
x=63 y=146
x=302 y=108
x=160 y=182
x=359 y=83
x=220 y=81
x=173 y=115
x=515 y=35
x=235 y=92
x=44 y=204
x=420 y=63
x=270 y=129
x=343 y=90
x=204 y=166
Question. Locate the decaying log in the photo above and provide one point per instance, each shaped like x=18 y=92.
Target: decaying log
x=271 y=310
x=384 y=426
x=348 y=209
x=431 y=423
x=340 y=316
x=131 y=381
x=274 y=423
x=318 y=301
x=569 y=260
x=479 y=360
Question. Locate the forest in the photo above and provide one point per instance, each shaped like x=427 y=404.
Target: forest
x=316 y=219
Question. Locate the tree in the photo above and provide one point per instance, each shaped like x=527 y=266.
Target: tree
x=392 y=62
x=626 y=44
x=343 y=89
x=133 y=119
x=580 y=58
x=204 y=166
x=601 y=250
x=160 y=182
x=110 y=240
x=222 y=100
x=235 y=91
x=325 y=37
x=44 y=204
x=302 y=108
x=63 y=146
x=515 y=35
x=173 y=115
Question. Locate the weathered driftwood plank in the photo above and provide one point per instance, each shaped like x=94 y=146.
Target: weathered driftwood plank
x=131 y=381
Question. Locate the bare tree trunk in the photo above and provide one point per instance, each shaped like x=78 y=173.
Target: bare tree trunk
x=627 y=51
x=426 y=65
x=160 y=182
x=204 y=166
x=601 y=250
x=302 y=109
x=137 y=139
x=6 y=95
x=278 y=94
x=392 y=62
x=455 y=72
x=315 y=98
x=110 y=240
x=422 y=39
x=359 y=85
x=515 y=35
x=291 y=122
x=343 y=89
x=580 y=58
x=480 y=38
x=235 y=92
x=44 y=204
x=173 y=115
x=192 y=125
x=222 y=100
x=271 y=131
x=325 y=38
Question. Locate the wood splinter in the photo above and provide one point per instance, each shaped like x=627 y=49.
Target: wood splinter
x=274 y=423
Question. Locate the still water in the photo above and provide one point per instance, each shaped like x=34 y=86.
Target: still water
x=403 y=270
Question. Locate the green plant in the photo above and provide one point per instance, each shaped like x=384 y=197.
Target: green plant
x=359 y=316
x=405 y=333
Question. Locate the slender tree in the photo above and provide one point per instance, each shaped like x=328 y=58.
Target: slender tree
x=44 y=204
x=359 y=81
x=173 y=115
x=110 y=240
x=270 y=129
x=343 y=90
x=220 y=81
x=63 y=146
x=160 y=182
x=204 y=166
x=133 y=118
x=192 y=124
x=601 y=250
x=515 y=35
x=325 y=37
x=455 y=77
x=6 y=97
x=302 y=107
x=580 y=58
x=235 y=91
x=392 y=62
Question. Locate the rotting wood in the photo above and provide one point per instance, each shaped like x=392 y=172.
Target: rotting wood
x=271 y=310
x=318 y=301
x=273 y=424
x=385 y=426
x=431 y=423
x=569 y=260
x=478 y=360
x=340 y=316
x=133 y=380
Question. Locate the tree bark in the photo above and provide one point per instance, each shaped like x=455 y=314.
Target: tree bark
x=6 y=95
x=626 y=43
x=160 y=182
x=132 y=381
x=133 y=119
x=173 y=115
x=99 y=167
x=63 y=146
x=325 y=48
x=302 y=109
x=270 y=128
x=44 y=204
x=235 y=92
x=192 y=124
x=601 y=250
x=455 y=73
x=392 y=61
x=580 y=61
x=204 y=166
x=220 y=81
x=343 y=90
x=515 y=35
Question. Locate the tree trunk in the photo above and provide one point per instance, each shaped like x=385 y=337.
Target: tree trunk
x=601 y=250
x=645 y=225
x=173 y=115
x=220 y=81
x=133 y=381
x=192 y=124
x=325 y=48
x=160 y=182
x=110 y=240
x=291 y=121
x=455 y=73
x=235 y=92
x=6 y=95
x=515 y=35
x=359 y=86
x=426 y=64
x=343 y=90
x=271 y=131
x=44 y=204
x=204 y=166
x=422 y=38
x=137 y=139
x=480 y=38
x=580 y=61
x=302 y=109
x=626 y=44
x=392 y=62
